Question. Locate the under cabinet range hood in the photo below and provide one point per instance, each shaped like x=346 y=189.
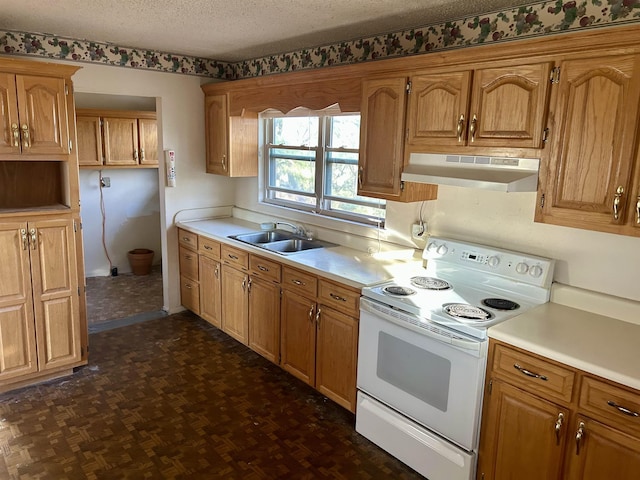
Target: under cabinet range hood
x=489 y=173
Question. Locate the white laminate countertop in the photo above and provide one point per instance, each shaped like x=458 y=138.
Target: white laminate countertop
x=594 y=343
x=342 y=264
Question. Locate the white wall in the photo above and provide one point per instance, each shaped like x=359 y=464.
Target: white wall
x=595 y=261
x=180 y=109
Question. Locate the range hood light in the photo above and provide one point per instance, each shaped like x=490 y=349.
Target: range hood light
x=489 y=173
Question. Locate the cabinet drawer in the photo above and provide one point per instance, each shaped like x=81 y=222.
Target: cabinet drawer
x=190 y=294
x=187 y=239
x=263 y=268
x=616 y=406
x=234 y=256
x=301 y=282
x=208 y=247
x=188 y=263
x=341 y=298
x=534 y=374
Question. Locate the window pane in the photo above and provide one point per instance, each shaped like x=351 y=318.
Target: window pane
x=342 y=178
x=370 y=212
x=345 y=132
x=295 y=131
x=290 y=197
x=292 y=169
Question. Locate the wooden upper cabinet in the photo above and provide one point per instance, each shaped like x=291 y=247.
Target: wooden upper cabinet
x=120 y=141
x=117 y=138
x=593 y=132
x=34 y=116
x=490 y=107
x=439 y=109
x=231 y=141
x=509 y=105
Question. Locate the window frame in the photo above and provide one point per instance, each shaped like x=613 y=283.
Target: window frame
x=323 y=161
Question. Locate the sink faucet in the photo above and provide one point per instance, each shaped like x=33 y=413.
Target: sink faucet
x=297 y=229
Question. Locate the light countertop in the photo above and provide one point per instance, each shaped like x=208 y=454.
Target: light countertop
x=342 y=264
x=591 y=342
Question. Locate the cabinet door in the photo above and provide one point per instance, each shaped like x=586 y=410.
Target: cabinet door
x=190 y=294
x=55 y=292
x=518 y=436
x=120 y=141
x=10 y=138
x=509 y=105
x=381 y=136
x=438 y=109
x=148 y=135
x=216 y=128
x=596 y=112
x=298 y=330
x=337 y=356
x=89 y=140
x=264 y=318
x=42 y=106
x=210 y=291
x=602 y=453
x=235 y=309
x=17 y=335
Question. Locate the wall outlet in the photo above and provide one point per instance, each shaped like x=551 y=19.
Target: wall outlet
x=419 y=232
x=105 y=182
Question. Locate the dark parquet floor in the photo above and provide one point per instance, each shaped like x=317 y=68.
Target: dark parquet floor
x=176 y=398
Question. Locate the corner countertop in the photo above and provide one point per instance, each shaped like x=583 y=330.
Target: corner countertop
x=342 y=264
x=594 y=343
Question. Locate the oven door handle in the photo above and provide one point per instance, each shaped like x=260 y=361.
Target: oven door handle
x=433 y=330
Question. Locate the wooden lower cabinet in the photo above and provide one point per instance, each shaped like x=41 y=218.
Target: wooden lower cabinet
x=530 y=433
x=210 y=290
x=264 y=318
x=39 y=300
x=298 y=330
x=235 y=307
x=337 y=356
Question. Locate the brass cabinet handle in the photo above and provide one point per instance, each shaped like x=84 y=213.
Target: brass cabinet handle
x=298 y=282
x=528 y=373
x=460 y=127
x=622 y=409
x=638 y=210
x=188 y=257
x=25 y=136
x=142 y=154
x=311 y=313
x=217 y=272
x=25 y=239
x=337 y=297
x=264 y=269
x=187 y=285
x=34 y=241
x=234 y=257
x=207 y=247
x=249 y=285
x=558 y=427
x=186 y=239
x=616 y=202
x=318 y=317
x=579 y=436
x=135 y=155
x=224 y=162
x=16 y=134
x=360 y=172
x=244 y=283
x=472 y=127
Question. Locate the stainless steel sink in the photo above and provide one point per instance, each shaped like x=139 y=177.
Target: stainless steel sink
x=263 y=237
x=280 y=241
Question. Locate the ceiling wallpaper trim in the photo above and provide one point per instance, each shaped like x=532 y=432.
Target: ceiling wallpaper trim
x=549 y=17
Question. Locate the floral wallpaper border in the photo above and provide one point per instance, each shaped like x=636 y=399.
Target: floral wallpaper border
x=531 y=20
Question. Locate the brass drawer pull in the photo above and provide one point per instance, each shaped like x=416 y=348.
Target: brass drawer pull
x=207 y=247
x=528 y=373
x=264 y=269
x=186 y=239
x=188 y=257
x=622 y=409
x=337 y=297
x=232 y=256
x=186 y=285
x=298 y=282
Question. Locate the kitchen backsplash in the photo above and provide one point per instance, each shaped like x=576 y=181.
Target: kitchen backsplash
x=533 y=20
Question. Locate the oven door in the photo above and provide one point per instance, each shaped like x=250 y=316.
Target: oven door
x=427 y=374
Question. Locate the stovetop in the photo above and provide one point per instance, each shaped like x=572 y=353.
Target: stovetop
x=465 y=276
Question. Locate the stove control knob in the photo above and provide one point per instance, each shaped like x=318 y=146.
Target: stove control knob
x=493 y=262
x=442 y=250
x=522 y=268
x=535 y=271
x=432 y=247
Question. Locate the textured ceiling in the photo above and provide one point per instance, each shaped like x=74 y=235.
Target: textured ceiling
x=233 y=30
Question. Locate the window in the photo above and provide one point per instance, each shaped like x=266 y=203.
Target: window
x=311 y=164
